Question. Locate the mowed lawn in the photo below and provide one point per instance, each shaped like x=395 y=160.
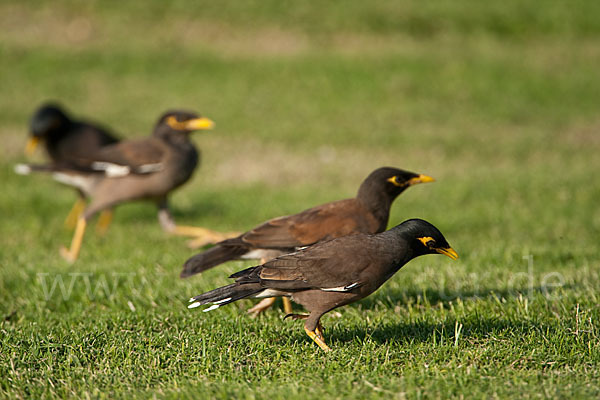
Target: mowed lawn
x=499 y=102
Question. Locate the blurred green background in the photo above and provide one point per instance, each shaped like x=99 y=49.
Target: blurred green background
x=498 y=101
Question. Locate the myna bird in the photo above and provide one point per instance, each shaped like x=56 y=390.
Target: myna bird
x=144 y=169
x=333 y=273
x=68 y=143
x=368 y=212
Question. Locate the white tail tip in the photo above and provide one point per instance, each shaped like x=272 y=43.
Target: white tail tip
x=194 y=305
x=22 y=169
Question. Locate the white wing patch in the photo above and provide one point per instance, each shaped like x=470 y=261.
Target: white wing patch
x=149 y=168
x=346 y=288
x=111 y=170
x=269 y=293
x=116 y=171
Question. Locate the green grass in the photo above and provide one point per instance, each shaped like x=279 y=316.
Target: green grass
x=498 y=102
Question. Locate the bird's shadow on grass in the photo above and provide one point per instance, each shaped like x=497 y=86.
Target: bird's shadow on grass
x=448 y=331
x=444 y=298
x=475 y=326
x=144 y=211
x=197 y=210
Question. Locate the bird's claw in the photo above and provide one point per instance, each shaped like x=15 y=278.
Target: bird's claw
x=296 y=316
x=66 y=254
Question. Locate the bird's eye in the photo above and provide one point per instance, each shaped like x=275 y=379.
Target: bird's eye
x=395 y=180
x=427 y=241
x=174 y=123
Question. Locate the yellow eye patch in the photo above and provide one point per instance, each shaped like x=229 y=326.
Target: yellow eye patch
x=394 y=180
x=412 y=181
x=173 y=123
x=426 y=239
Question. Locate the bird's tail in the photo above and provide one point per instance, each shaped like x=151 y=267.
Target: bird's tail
x=26 y=169
x=225 y=295
x=210 y=258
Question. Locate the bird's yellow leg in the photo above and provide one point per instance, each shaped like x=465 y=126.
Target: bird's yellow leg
x=319 y=331
x=73 y=216
x=203 y=236
x=261 y=307
x=72 y=254
x=287 y=305
x=184 y=230
x=104 y=221
x=318 y=339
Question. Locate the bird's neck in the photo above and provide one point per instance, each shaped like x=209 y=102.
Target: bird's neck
x=178 y=141
x=378 y=204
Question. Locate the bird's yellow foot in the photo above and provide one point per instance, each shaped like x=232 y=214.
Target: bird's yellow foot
x=318 y=339
x=67 y=255
x=203 y=236
x=71 y=254
x=261 y=307
x=319 y=332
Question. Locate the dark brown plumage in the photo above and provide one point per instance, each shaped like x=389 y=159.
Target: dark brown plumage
x=68 y=143
x=144 y=169
x=368 y=212
x=333 y=273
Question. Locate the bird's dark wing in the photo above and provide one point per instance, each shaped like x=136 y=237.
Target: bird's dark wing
x=93 y=135
x=335 y=265
x=79 y=148
x=323 y=222
x=131 y=156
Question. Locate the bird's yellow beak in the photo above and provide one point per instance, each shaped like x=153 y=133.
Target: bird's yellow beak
x=420 y=179
x=450 y=252
x=199 y=124
x=31 y=145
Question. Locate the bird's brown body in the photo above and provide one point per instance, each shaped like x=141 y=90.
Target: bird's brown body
x=143 y=169
x=69 y=143
x=368 y=212
x=176 y=159
x=334 y=273
x=328 y=221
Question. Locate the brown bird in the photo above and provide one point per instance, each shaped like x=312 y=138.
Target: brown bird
x=144 y=169
x=68 y=143
x=368 y=212
x=333 y=273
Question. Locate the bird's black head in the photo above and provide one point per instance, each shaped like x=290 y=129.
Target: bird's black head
x=424 y=238
x=48 y=123
x=179 y=122
x=390 y=181
x=47 y=119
